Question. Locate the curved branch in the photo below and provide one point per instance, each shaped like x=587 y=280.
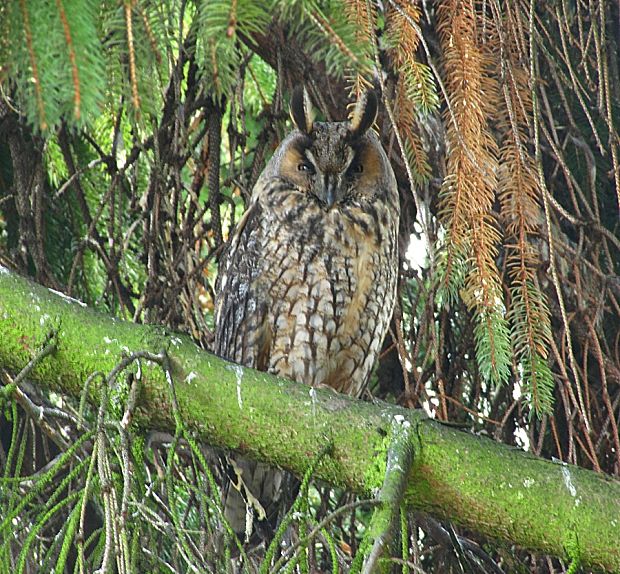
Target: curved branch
x=498 y=491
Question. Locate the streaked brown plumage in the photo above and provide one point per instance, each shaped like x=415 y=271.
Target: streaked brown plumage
x=307 y=285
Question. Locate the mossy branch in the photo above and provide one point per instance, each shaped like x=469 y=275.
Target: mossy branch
x=399 y=460
x=498 y=491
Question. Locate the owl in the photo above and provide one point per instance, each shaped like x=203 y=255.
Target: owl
x=307 y=284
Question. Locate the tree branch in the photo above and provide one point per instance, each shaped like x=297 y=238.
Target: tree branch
x=498 y=491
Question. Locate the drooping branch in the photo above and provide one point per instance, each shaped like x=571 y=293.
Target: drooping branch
x=493 y=489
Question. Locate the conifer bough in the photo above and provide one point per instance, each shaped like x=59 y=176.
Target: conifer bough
x=496 y=490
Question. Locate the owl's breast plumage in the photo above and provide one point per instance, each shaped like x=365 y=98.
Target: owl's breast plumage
x=323 y=290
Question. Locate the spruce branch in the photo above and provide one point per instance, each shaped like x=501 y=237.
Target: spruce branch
x=36 y=77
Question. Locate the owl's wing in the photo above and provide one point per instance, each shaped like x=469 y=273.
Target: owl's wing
x=243 y=335
x=242 y=330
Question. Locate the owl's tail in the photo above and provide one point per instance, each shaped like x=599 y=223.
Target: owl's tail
x=256 y=497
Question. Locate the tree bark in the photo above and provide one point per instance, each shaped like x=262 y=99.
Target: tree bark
x=496 y=490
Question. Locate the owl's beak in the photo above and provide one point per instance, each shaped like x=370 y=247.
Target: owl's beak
x=331 y=193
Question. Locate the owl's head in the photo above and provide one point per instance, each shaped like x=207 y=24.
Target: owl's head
x=334 y=163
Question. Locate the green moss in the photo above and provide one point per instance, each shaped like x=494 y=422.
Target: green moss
x=375 y=473
x=500 y=492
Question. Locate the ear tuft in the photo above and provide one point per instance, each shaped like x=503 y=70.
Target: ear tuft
x=301 y=110
x=365 y=114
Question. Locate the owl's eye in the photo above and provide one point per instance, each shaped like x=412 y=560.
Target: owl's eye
x=356 y=168
x=306 y=167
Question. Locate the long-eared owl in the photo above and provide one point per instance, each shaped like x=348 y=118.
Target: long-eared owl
x=306 y=287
